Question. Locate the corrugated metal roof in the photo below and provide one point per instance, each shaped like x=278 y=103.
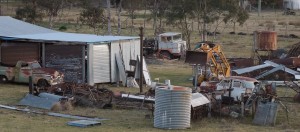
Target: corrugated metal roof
x=71 y=37
x=11 y=27
x=169 y=34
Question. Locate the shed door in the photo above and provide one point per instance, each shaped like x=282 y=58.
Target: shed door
x=67 y=59
x=12 y=52
x=101 y=63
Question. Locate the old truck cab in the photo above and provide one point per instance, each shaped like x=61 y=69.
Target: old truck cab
x=23 y=70
x=171 y=44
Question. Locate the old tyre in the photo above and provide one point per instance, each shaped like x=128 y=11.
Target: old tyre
x=3 y=79
x=42 y=83
x=166 y=54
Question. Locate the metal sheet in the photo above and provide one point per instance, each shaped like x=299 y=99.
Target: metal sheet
x=121 y=69
x=101 y=63
x=250 y=69
x=71 y=37
x=44 y=100
x=195 y=57
x=10 y=26
x=67 y=59
x=146 y=73
x=288 y=70
x=199 y=99
x=11 y=52
x=83 y=123
x=172 y=107
x=266 y=114
x=114 y=48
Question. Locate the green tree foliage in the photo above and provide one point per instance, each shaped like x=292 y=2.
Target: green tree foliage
x=92 y=15
x=180 y=14
x=52 y=8
x=29 y=12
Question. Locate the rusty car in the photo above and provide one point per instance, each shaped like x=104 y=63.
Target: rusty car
x=21 y=72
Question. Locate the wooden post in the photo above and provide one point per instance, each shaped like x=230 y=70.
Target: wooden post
x=141 y=59
x=30 y=85
x=259 y=7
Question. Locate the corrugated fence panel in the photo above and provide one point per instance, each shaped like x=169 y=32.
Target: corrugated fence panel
x=67 y=59
x=114 y=48
x=126 y=52
x=101 y=63
x=12 y=52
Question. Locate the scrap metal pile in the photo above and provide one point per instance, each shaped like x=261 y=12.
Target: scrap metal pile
x=84 y=95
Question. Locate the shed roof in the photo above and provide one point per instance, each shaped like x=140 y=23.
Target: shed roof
x=69 y=37
x=10 y=27
x=169 y=34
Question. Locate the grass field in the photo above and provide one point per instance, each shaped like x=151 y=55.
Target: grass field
x=134 y=120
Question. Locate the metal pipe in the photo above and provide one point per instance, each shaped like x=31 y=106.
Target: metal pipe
x=141 y=59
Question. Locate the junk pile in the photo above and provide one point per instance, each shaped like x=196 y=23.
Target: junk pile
x=84 y=95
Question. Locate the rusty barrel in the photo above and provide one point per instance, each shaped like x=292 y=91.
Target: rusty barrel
x=172 y=107
x=265 y=40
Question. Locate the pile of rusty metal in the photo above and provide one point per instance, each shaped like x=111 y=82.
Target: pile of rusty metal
x=84 y=95
x=294 y=51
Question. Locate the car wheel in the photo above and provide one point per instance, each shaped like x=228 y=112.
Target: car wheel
x=3 y=79
x=42 y=83
x=166 y=54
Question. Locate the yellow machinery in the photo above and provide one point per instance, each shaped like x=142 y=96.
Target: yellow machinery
x=211 y=55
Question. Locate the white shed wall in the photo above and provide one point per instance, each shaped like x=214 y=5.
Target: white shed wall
x=292 y=4
x=130 y=49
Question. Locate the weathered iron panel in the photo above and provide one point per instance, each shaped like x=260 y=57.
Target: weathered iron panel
x=196 y=57
x=265 y=40
x=67 y=59
x=289 y=62
x=114 y=48
x=11 y=52
x=294 y=51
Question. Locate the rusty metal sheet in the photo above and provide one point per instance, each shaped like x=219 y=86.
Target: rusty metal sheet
x=241 y=62
x=195 y=57
x=67 y=59
x=11 y=52
x=289 y=62
x=294 y=51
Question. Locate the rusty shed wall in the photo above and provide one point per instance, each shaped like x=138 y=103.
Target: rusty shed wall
x=67 y=59
x=13 y=51
x=265 y=40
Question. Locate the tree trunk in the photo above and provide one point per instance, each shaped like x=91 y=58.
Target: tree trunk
x=108 y=17
x=119 y=17
x=131 y=14
x=155 y=18
x=50 y=21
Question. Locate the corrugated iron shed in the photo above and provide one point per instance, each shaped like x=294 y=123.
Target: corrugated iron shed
x=70 y=37
x=10 y=27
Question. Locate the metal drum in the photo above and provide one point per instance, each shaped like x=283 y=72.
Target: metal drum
x=172 y=107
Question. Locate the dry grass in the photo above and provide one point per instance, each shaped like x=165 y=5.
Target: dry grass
x=134 y=120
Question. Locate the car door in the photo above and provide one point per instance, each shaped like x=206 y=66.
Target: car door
x=238 y=89
x=24 y=73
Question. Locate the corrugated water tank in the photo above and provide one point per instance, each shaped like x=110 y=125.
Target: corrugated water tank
x=172 y=107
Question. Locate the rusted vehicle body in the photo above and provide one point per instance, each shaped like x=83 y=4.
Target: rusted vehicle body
x=23 y=70
x=234 y=86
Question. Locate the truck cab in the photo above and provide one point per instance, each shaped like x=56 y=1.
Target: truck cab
x=171 y=45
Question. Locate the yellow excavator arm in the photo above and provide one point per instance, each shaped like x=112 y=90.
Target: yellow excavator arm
x=218 y=63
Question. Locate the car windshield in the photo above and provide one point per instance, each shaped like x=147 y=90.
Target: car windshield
x=35 y=65
x=248 y=84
